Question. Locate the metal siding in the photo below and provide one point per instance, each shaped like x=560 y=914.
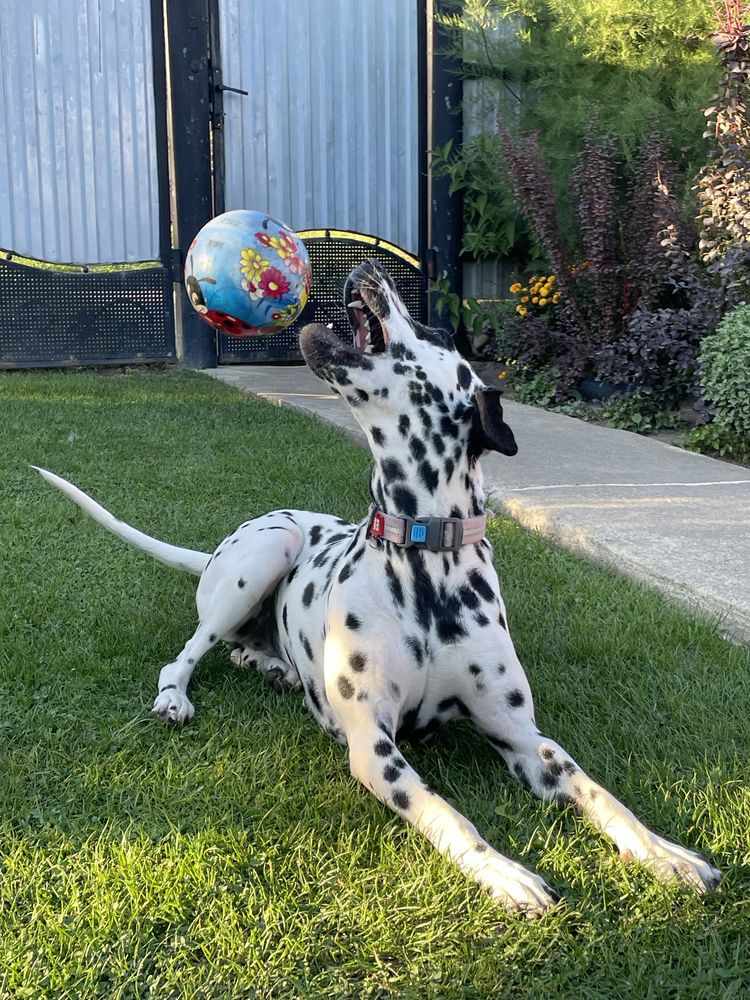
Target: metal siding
x=78 y=180
x=327 y=137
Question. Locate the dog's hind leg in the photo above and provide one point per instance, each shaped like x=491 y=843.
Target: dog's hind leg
x=280 y=675
x=550 y=773
x=243 y=571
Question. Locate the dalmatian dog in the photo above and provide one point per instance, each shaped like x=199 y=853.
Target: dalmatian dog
x=396 y=625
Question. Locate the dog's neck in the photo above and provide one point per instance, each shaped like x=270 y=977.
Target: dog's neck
x=430 y=485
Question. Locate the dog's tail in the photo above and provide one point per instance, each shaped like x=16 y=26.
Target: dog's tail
x=171 y=555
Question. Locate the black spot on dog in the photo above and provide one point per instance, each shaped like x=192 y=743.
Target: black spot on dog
x=362 y=395
x=353 y=622
x=417 y=448
x=394 y=689
x=438 y=444
x=383 y=748
x=391 y=773
x=346 y=572
x=480 y=585
x=168 y=687
x=416 y=648
x=481 y=620
x=392 y=470
x=515 y=698
x=448 y=427
x=474 y=669
x=405 y=501
x=501 y=744
x=306 y=645
x=463 y=374
x=501 y=668
x=308 y=594
x=501 y=620
x=285 y=618
x=394 y=585
x=312 y=692
x=429 y=476
x=480 y=848
x=401 y=799
x=403 y=425
x=240 y=583
x=569 y=767
x=521 y=775
x=426 y=419
x=358 y=662
x=447 y=704
x=290 y=576
x=212 y=637
x=550 y=779
x=345 y=686
x=363 y=696
x=315 y=533
x=468 y=597
x=377 y=435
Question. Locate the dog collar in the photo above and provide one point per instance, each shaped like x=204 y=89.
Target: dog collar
x=437 y=534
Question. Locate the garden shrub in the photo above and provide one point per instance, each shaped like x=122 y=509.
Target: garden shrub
x=724 y=364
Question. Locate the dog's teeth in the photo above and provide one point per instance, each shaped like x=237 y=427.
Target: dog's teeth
x=356 y=304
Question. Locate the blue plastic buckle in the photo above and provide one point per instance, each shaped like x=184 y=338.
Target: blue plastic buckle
x=427 y=532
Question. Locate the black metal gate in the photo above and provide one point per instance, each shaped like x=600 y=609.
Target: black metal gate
x=57 y=315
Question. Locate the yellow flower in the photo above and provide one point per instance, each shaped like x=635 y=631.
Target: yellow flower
x=515 y=287
x=551 y=280
x=521 y=310
x=502 y=374
x=535 y=299
x=524 y=298
x=252 y=265
x=543 y=302
x=557 y=296
x=532 y=279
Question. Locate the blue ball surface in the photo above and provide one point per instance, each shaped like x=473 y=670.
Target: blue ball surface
x=247 y=274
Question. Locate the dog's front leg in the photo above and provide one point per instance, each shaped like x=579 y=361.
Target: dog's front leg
x=375 y=762
x=547 y=770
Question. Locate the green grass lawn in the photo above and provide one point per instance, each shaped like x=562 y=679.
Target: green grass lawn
x=237 y=857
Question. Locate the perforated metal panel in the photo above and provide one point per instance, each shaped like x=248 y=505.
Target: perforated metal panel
x=66 y=317
x=333 y=255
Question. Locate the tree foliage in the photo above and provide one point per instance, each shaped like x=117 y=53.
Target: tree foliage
x=547 y=64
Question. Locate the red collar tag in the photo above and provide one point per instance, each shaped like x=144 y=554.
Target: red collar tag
x=377 y=525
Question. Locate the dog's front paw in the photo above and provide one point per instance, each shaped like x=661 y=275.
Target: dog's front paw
x=173 y=706
x=670 y=862
x=515 y=887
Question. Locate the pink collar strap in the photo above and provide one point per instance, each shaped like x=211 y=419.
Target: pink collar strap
x=437 y=534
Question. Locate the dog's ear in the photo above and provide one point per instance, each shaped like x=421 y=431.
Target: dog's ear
x=490 y=432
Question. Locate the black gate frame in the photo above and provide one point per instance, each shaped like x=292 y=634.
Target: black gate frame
x=67 y=315
x=71 y=315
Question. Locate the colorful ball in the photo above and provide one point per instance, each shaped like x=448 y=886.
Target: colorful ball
x=247 y=274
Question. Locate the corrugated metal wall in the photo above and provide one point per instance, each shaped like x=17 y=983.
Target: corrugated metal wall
x=78 y=177
x=327 y=136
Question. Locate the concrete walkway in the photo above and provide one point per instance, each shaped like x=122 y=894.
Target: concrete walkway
x=674 y=520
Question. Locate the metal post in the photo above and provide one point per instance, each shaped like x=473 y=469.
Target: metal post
x=446 y=209
x=187 y=27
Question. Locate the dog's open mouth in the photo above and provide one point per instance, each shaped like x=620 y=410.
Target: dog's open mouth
x=370 y=335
